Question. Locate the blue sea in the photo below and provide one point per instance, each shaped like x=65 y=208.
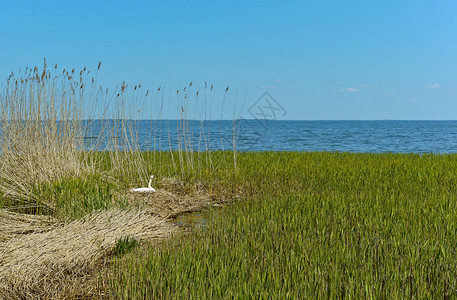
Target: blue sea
x=268 y=135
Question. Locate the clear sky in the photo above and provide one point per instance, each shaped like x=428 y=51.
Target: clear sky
x=318 y=59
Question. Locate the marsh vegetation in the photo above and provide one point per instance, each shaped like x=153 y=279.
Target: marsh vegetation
x=314 y=225
x=277 y=224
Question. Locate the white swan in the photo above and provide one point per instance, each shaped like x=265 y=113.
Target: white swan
x=148 y=189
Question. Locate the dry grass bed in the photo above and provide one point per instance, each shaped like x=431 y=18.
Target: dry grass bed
x=60 y=262
x=15 y=224
x=168 y=204
x=174 y=199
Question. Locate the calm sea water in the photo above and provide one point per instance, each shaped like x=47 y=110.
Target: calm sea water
x=256 y=135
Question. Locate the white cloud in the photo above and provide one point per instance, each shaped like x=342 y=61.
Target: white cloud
x=352 y=90
x=277 y=80
x=432 y=86
x=268 y=86
x=415 y=99
x=368 y=85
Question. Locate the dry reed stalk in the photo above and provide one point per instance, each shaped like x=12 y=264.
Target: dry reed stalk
x=38 y=265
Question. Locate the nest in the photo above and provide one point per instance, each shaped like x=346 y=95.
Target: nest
x=173 y=200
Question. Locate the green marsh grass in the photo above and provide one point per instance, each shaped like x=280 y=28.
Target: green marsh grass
x=125 y=245
x=314 y=225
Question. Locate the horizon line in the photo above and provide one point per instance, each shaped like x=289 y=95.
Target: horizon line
x=274 y=120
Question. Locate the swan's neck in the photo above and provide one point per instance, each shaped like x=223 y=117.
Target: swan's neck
x=150 y=182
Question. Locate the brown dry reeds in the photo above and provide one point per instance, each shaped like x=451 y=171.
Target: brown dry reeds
x=14 y=224
x=40 y=136
x=42 y=264
x=44 y=122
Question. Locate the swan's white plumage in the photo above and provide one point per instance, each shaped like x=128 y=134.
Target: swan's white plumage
x=148 y=189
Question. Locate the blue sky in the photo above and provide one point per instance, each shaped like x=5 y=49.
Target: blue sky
x=318 y=59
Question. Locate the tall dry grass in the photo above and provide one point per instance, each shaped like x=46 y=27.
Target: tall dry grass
x=40 y=132
x=47 y=116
